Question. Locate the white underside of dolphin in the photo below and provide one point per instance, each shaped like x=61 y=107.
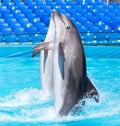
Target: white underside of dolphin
x=46 y=61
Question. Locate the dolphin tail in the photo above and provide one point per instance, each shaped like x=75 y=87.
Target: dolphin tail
x=92 y=91
x=43 y=46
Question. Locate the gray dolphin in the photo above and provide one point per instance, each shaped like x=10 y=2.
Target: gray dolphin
x=46 y=59
x=70 y=77
x=70 y=81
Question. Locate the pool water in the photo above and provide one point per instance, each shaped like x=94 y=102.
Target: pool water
x=22 y=101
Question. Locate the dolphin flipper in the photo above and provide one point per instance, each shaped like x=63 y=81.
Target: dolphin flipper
x=61 y=58
x=43 y=46
x=45 y=58
x=35 y=52
x=91 y=91
x=61 y=50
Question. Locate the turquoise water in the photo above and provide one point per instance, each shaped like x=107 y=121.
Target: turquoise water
x=22 y=101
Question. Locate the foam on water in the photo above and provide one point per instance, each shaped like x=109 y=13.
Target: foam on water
x=25 y=96
x=26 y=105
x=31 y=105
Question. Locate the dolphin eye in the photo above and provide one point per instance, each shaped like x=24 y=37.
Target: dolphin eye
x=68 y=27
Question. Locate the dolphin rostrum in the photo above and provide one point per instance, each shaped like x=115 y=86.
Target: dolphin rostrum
x=46 y=59
x=70 y=81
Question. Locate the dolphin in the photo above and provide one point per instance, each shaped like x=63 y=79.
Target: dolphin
x=46 y=60
x=70 y=80
x=70 y=75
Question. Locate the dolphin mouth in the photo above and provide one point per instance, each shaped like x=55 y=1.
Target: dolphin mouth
x=58 y=15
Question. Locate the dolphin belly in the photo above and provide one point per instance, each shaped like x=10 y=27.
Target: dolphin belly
x=58 y=81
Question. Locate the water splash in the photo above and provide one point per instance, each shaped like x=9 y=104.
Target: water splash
x=31 y=105
x=26 y=96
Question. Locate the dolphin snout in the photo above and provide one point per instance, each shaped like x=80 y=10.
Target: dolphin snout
x=55 y=12
x=57 y=15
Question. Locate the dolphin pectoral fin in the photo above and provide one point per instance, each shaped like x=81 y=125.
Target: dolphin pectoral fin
x=61 y=59
x=45 y=57
x=61 y=50
x=35 y=52
x=92 y=91
x=43 y=46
